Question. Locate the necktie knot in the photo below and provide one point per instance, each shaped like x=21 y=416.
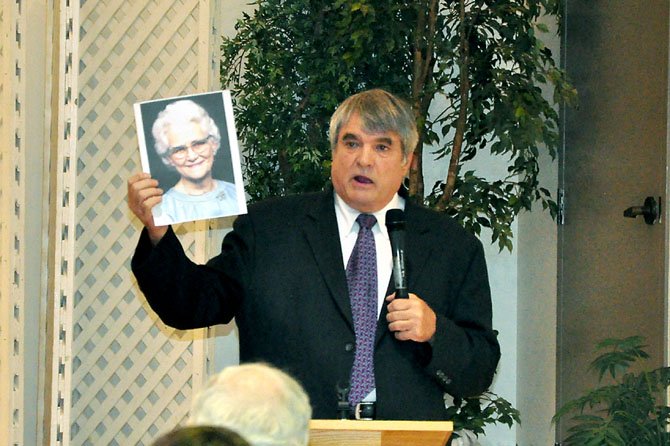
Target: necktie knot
x=366 y=221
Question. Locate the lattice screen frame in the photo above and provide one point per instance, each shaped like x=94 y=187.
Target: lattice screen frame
x=119 y=376
x=12 y=205
x=64 y=139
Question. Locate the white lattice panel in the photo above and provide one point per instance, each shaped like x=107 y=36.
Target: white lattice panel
x=12 y=202
x=131 y=377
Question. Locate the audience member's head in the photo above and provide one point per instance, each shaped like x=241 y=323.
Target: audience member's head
x=201 y=436
x=263 y=404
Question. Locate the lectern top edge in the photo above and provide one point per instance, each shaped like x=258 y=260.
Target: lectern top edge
x=385 y=425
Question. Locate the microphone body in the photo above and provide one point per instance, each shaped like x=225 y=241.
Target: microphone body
x=395 y=223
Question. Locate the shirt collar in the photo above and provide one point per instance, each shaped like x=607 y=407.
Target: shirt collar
x=347 y=215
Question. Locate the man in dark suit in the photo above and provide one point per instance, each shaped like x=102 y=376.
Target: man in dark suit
x=281 y=275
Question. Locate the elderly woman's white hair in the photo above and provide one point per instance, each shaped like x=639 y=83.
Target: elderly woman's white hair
x=260 y=402
x=184 y=110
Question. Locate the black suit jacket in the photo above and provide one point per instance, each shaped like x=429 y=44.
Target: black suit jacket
x=280 y=274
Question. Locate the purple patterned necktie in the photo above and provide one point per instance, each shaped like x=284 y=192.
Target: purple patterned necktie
x=362 y=283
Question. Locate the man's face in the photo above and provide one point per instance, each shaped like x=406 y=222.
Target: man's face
x=191 y=151
x=367 y=168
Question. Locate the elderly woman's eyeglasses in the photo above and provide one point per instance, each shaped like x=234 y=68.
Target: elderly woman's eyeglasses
x=199 y=146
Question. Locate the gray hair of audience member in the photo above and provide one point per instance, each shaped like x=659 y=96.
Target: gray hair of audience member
x=380 y=111
x=260 y=402
x=201 y=436
x=182 y=111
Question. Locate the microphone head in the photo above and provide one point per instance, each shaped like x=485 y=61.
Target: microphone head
x=395 y=220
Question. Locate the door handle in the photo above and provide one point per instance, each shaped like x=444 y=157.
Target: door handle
x=651 y=211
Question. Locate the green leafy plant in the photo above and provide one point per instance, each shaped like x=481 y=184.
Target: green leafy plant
x=472 y=70
x=475 y=413
x=627 y=411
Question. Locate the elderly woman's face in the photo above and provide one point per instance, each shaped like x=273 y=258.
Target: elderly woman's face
x=191 y=151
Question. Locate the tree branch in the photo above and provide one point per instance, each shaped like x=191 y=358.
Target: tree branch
x=464 y=88
x=422 y=71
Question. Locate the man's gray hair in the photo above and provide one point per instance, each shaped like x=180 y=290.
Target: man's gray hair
x=182 y=111
x=380 y=111
x=260 y=402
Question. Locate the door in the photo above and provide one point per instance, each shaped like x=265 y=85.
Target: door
x=612 y=268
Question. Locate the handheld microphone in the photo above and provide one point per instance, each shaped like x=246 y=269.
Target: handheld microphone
x=395 y=223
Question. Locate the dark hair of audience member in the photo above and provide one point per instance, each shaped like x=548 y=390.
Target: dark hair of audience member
x=201 y=436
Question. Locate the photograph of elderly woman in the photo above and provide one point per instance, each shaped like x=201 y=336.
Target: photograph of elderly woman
x=189 y=145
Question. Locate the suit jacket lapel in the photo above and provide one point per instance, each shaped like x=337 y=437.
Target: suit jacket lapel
x=323 y=237
x=418 y=243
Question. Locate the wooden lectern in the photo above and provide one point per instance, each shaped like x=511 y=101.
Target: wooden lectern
x=379 y=433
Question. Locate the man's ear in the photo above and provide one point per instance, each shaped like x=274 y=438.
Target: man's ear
x=408 y=160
